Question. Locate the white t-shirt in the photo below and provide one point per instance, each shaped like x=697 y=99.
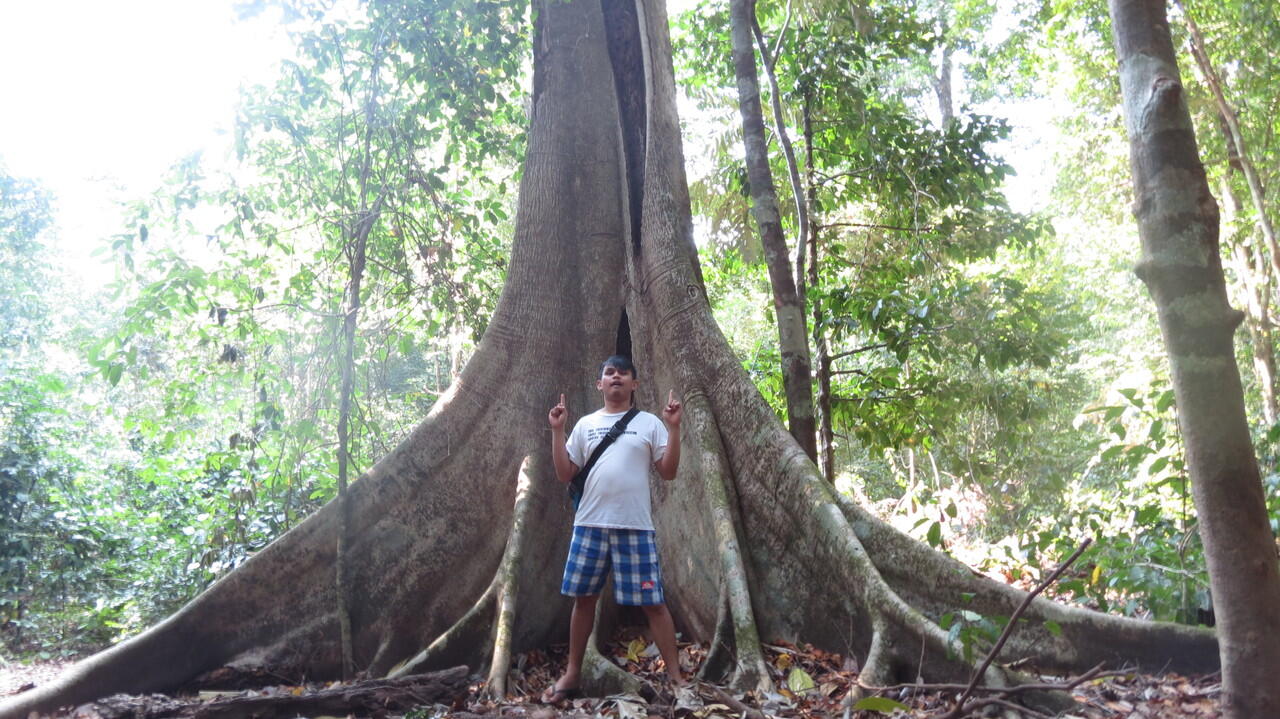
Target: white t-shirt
x=617 y=490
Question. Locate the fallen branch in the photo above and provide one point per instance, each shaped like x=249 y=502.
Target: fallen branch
x=1008 y=629
x=373 y=698
x=733 y=703
x=1063 y=686
x=1018 y=708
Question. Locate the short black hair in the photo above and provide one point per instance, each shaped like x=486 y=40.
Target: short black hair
x=622 y=363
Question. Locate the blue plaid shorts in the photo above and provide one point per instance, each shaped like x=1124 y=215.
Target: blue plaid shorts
x=632 y=553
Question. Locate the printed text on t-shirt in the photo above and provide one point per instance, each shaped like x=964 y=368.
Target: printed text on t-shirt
x=597 y=432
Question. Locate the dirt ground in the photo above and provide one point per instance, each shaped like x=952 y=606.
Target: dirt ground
x=15 y=675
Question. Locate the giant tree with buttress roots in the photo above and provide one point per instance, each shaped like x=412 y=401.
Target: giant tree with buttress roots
x=457 y=537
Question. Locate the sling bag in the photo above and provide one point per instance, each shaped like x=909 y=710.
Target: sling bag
x=578 y=484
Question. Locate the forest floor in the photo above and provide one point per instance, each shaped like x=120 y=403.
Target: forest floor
x=809 y=683
x=14 y=676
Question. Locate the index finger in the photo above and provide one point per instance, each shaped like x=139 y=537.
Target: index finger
x=671 y=396
x=562 y=399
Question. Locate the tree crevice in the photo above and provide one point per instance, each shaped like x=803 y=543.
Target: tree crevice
x=622 y=28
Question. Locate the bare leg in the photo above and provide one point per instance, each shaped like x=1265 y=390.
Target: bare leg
x=580 y=623
x=664 y=635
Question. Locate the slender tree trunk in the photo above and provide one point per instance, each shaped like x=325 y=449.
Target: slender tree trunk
x=788 y=153
x=355 y=251
x=355 y=234
x=826 y=431
x=1236 y=139
x=1256 y=295
x=822 y=348
x=1254 y=275
x=788 y=305
x=1181 y=266
x=1256 y=269
x=942 y=81
x=356 y=257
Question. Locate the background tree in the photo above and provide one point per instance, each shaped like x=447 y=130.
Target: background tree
x=1181 y=266
x=788 y=295
x=1250 y=237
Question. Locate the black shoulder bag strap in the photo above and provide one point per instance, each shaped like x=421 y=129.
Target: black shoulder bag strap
x=578 y=484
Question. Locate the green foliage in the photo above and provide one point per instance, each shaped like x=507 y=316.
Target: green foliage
x=24 y=216
x=382 y=125
x=974 y=633
x=949 y=334
x=212 y=428
x=1147 y=560
x=57 y=550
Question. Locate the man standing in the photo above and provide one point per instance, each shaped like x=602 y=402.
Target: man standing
x=613 y=525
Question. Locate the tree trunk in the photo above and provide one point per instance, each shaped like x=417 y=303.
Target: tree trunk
x=1254 y=275
x=788 y=305
x=942 y=81
x=755 y=544
x=1181 y=266
x=821 y=347
x=355 y=235
x=342 y=569
x=822 y=351
x=788 y=153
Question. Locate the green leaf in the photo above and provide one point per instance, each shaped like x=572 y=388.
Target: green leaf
x=799 y=681
x=935 y=534
x=882 y=705
x=1157 y=430
x=1054 y=628
x=634 y=650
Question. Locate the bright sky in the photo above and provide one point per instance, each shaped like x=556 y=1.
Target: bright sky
x=105 y=93
x=100 y=97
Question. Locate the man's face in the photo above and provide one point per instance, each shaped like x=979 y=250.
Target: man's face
x=616 y=385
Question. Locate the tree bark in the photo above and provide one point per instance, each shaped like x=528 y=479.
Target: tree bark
x=788 y=304
x=755 y=543
x=1182 y=268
